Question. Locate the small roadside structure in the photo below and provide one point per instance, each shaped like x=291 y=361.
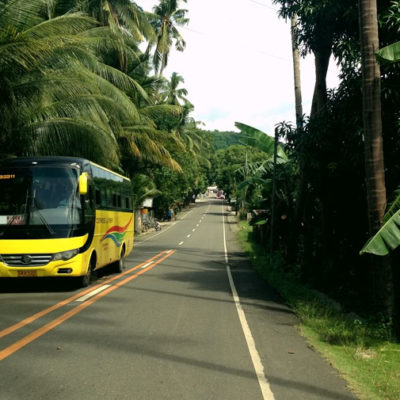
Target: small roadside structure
x=144 y=215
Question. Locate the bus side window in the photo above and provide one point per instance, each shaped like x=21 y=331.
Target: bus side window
x=127 y=203
x=89 y=201
x=114 y=200
x=119 y=201
x=109 y=198
x=98 y=197
x=104 y=198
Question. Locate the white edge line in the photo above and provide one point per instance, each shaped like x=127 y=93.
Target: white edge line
x=92 y=293
x=255 y=357
x=181 y=243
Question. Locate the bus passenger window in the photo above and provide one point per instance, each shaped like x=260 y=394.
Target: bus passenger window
x=109 y=198
x=119 y=201
x=104 y=198
x=127 y=203
x=98 y=197
x=114 y=200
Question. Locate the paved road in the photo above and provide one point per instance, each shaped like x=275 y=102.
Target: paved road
x=188 y=319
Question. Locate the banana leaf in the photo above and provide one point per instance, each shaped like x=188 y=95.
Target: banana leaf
x=389 y=53
x=386 y=239
x=254 y=137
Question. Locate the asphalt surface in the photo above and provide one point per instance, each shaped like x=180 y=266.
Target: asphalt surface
x=169 y=327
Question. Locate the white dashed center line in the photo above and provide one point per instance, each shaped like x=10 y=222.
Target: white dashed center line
x=92 y=293
x=147 y=264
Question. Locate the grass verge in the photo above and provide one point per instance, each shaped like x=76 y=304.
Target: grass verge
x=360 y=351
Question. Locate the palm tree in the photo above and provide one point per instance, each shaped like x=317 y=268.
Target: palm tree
x=32 y=49
x=373 y=147
x=165 y=19
x=57 y=95
x=374 y=160
x=171 y=93
x=120 y=15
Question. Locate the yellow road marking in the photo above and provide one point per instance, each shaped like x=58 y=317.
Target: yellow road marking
x=62 y=303
x=18 y=345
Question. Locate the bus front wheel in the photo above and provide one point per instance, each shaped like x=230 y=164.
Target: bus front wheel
x=85 y=280
x=119 y=265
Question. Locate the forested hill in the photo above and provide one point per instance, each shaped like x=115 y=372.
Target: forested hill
x=223 y=140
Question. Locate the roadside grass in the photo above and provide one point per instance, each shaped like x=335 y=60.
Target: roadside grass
x=360 y=351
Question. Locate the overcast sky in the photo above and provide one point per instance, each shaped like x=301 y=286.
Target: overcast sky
x=237 y=64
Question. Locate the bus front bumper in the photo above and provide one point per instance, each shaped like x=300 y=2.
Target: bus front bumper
x=76 y=266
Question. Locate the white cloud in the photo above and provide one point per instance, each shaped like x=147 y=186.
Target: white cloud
x=237 y=64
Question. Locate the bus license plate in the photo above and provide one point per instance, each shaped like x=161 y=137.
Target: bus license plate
x=27 y=274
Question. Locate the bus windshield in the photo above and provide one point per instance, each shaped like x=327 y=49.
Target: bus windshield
x=38 y=201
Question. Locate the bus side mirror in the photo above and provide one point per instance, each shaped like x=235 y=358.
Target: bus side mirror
x=83 y=183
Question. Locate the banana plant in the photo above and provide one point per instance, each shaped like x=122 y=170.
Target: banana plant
x=251 y=136
x=388 y=237
x=389 y=53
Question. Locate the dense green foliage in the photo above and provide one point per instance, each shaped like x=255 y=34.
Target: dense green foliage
x=222 y=140
x=361 y=351
x=315 y=208
x=74 y=82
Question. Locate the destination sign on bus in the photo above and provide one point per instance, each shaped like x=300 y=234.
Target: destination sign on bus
x=8 y=176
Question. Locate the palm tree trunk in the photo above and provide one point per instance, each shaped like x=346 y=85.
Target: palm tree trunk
x=273 y=201
x=373 y=142
x=322 y=56
x=373 y=147
x=296 y=72
x=295 y=226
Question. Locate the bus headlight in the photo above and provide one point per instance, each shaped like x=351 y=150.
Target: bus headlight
x=65 y=255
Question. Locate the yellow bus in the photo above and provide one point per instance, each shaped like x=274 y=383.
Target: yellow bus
x=62 y=216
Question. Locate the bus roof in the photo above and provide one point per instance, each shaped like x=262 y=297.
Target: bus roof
x=49 y=160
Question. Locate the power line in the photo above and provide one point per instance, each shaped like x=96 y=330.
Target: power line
x=273 y=56
x=192 y=30
x=263 y=5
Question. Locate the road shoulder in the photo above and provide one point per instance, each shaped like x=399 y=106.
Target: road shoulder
x=293 y=368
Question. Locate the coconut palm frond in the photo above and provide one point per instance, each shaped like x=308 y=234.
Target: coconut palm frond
x=69 y=24
x=120 y=80
x=161 y=109
x=20 y=14
x=143 y=187
x=112 y=92
x=204 y=161
x=72 y=137
x=24 y=55
x=151 y=150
